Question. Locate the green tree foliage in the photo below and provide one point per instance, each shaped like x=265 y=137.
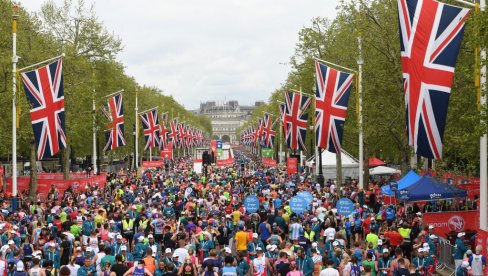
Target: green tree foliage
x=376 y=21
x=91 y=70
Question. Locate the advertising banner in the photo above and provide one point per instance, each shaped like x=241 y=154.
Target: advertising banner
x=48 y=180
x=168 y=151
x=445 y=222
x=292 y=166
x=251 y=203
x=153 y=164
x=225 y=162
x=267 y=152
x=269 y=162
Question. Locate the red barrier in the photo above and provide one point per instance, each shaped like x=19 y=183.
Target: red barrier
x=225 y=162
x=269 y=162
x=152 y=164
x=47 y=180
x=445 y=222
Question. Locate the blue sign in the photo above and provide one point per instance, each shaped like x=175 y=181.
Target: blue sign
x=277 y=203
x=219 y=144
x=393 y=185
x=345 y=206
x=298 y=205
x=251 y=203
x=306 y=195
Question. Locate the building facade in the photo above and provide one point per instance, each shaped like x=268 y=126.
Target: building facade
x=226 y=118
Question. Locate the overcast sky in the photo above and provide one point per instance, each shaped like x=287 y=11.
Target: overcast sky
x=200 y=50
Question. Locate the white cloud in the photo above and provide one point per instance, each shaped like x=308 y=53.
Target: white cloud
x=199 y=50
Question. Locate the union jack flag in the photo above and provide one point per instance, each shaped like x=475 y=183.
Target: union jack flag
x=163 y=132
x=189 y=137
x=182 y=133
x=430 y=37
x=115 y=130
x=268 y=132
x=282 y=107
x=259 y=133
x=45 y=92
x=174 y=134
x=150 y=124
x=296 y=119
x=331 y=97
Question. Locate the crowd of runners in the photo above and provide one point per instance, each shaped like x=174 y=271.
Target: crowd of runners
x=172 y=221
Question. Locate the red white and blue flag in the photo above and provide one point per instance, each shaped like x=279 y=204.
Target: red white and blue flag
x=174 y=133
x=114 y=112
x=430 y=37
x=282 y=107
x=150 y=124
x=296 y=119
x=182 y=135
x=45 y=93
x=163 y=135
x=331 y=97
x=268 y=132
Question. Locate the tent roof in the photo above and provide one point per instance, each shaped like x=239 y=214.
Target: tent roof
x=410 y=178
x=428 y=188
x=329 y=158
x=383 y=170
x=373 y=161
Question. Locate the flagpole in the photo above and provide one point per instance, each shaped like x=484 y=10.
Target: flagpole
x=137 y=130
x=94 y=135
x=41 y=62
x=360 y=99
x=14 y=104
x=483 y=141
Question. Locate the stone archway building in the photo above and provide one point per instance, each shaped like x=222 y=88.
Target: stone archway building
x=226 y=117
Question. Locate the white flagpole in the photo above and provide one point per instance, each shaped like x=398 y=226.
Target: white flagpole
x=483 y=142
x=14 y=104
x=94 y=154
x=360 y=100
x=150 y=153
x=137 y=134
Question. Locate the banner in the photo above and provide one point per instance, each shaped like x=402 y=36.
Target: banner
x=269 y=162
x=267 y=152
x=445 y=222
x=251 y=203
x=345 y=206
x=48 y=180
x=168 y=151
x=153 y=164
x=225 y=162
x=298 y=205
x=291 y=165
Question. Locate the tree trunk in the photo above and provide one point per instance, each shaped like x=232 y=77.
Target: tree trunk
x=33 y=171
x=339 y=176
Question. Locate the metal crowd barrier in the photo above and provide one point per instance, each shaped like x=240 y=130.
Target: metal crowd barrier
x=445 y=260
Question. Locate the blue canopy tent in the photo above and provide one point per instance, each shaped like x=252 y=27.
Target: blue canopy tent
x=410 y=178
x=428 y=188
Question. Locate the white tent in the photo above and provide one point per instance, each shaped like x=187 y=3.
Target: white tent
x=383 y=170
x=350 y=166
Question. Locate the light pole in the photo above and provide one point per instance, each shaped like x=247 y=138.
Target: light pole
x=15 y=58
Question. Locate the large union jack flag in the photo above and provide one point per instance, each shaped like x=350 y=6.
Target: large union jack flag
x=296 y=119
x=331 y=97
x=45 y=92
x=268 y=132
x=150 y=124
x=430 y=37
x=114 y=112
x=174 y=134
